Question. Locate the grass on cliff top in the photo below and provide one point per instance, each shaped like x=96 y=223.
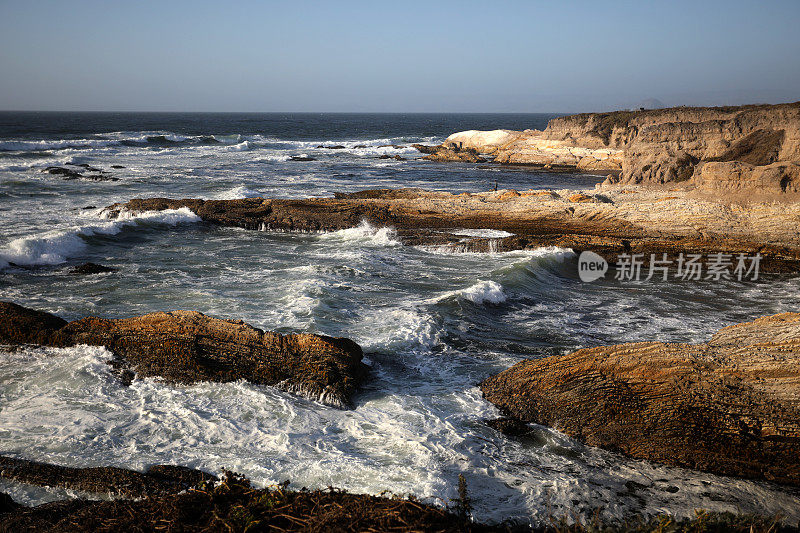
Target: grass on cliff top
x=233 y=505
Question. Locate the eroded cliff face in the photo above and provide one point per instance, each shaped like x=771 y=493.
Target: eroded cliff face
x=721 y=151
x=729 y=406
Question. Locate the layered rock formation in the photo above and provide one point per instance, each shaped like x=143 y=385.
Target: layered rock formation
x=729 y=406
x=723 y=151
x=187 y=346
x=615 y=222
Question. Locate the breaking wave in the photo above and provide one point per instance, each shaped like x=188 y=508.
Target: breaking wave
x=364 y=233
x=57 y=246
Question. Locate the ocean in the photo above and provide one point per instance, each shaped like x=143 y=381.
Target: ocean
x=432 y=324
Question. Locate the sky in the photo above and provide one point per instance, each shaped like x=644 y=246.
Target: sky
x=409 y=56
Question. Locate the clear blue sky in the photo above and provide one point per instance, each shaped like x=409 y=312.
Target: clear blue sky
x=399 y=56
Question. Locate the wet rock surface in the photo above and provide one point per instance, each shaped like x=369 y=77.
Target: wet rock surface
x=730 y=406
x=82 y=171
x=187 y=346
x=91 y=268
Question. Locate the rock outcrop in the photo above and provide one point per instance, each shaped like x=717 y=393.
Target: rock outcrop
x=158 y=480
x=198 y=502
x=187 y=346
x=450 y=152
x=728 y=152
x=614 y=222
x=729 y=406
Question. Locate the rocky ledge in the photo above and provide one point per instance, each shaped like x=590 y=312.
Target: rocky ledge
x=731 y=152
x=175 y=498
x=172 y=498
x=730 y=406
x=609 y=223
x=187 y=346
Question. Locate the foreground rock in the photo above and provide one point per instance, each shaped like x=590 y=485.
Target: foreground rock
x=730 y=406
x=615 y=222
x=159 y=479
x=187 y=346
x=210 y=504
x=731 y=153
x=182 y=499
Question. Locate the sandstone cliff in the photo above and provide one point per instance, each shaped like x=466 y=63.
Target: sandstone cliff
x=729 y=406
x=720 y=151
x=187 y=346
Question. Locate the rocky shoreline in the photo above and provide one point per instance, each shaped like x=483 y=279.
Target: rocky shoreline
x=613 y=222
x=730 y=406
x=175 y=498
x=681 y=181
x=187 y=346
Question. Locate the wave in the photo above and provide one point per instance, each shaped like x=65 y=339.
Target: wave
x=57 y=246
x=482 y=292
x=236 y=193
x=364 y=233
x=131 y=139
x=483 y=233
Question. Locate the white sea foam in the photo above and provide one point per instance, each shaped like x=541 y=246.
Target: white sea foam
x=240 y=147
x=483 y=233
x=482 y=292
x=56 y=246
x=364 y=233
x=237 y=192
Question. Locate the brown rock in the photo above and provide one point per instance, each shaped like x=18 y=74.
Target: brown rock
x=159 y=479
x=187 y=346
x=580 y=197
x=730 y=406
x=647 y=221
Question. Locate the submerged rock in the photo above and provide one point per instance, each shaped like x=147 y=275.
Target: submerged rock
x=301 y=158
x=91 y=268
x=187 y=346
x=509 y=426
x=95 y=174
x=730 y=406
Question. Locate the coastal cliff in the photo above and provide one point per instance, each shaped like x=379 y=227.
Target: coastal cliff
x=729 y=406
x=721 y=151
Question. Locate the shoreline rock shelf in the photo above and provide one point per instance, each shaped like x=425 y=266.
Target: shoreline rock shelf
x=617 y=221
x=187 y=346
x=730 y=406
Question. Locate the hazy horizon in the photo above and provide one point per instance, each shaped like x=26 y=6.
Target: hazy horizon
x=516 y=57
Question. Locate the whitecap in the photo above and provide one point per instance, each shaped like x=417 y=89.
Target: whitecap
x=482 y=292
x=364 y=233
x=236 y=193
x=56 y=246
x=483 y=233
